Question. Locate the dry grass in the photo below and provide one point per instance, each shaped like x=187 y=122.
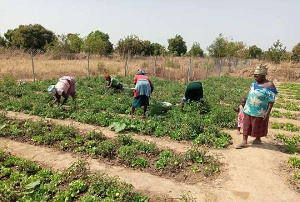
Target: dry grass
x=18 y=64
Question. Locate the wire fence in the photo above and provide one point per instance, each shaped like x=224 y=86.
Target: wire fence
x=38 y=64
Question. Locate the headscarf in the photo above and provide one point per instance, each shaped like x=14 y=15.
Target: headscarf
x=141 y=72
x=261 y=70
x=51 y=90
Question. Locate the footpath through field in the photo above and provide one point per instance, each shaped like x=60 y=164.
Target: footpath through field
x=251 y=174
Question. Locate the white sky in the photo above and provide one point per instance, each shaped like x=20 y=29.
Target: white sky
x=255 y=22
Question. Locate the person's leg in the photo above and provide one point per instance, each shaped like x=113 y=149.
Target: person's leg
x=145 y=110
x=132 y=111
x=238 y=131
x=244 y=142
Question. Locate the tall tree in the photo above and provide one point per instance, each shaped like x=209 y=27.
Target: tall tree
x=276 y=52
x=296 y=53
x=255 y=52
x=98 y=42
x=196 y=50
x=129 y=45
x=177 y=46
x=30 y=37
x=75 y=43
x=2 y=41
x=219 y=47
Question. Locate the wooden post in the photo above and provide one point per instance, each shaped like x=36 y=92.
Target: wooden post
x=154 y=71
x=125 y=67
x=32 y=65
x=88 y=66
x=189 y=70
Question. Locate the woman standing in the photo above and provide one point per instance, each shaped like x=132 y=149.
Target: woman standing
x=258 y=107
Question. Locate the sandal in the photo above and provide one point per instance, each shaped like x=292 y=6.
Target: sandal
x=241 y=146
x=256 y=141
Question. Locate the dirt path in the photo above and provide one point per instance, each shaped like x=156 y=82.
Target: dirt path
x=251 y=174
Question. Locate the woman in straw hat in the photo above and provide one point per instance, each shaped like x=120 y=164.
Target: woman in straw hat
x=258 y=107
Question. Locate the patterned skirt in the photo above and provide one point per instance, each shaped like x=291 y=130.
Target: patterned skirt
x=255 y=126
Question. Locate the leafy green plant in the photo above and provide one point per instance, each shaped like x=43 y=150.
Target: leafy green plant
x=106 y=148
x=295 y=162
x=77 y=187
x=127 y=154
x=124 y=139
x=167 y=160
x=291 y=144
x=140 y=162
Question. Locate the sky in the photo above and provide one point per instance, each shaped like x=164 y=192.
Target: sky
x=255 y=22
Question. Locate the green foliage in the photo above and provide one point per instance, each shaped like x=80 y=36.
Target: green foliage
x=255 y=52
x=98 y=42
x=30 y=37
x=196 y=50
x=296 y=53
x=127 y=154
x=106 y=148
x=219 y=47
x=75 y=43
x=295 y=162
x=291 y=144
x=2 y=41
x=130 y=44
x=276 y=53
x=177 y=46
x=140 y=162
x=167 y=160
x=125 y=139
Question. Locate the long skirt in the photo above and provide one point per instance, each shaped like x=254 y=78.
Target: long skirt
x=141 y=100
x=255 y=126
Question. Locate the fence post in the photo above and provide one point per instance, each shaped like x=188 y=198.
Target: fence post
x=189 y=70
x=88 y=66
x=220 y=67
x=154 y=71
x=32 y=65
x=125 y=67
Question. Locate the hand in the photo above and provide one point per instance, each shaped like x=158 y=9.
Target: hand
x=266 y=115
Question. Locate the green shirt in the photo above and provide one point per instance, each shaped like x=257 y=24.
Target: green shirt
x=194 y=91
x=114 y=81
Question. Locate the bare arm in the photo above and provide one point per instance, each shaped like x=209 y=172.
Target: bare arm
x=267 y=114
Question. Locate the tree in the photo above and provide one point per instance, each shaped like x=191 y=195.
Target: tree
x=196 y=50
x=296 y=53
x=276 y=53
x=147 y=49
x=129 y=45
x=30 y=37
x=75 y=43
x=98 y=42
x=177 y=46
x=219 y=47
x=8 y=37
x=2 y=41
x=255 y=52
x=156 y=47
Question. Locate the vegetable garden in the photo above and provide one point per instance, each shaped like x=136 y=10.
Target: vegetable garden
x=205 y=128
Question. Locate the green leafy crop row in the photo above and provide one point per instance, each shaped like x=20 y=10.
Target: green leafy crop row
x=124 y=149
x=23 y=180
